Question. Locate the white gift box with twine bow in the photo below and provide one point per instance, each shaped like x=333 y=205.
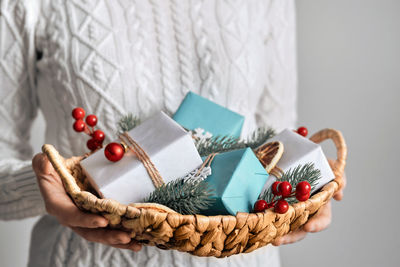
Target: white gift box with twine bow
x=169 y=147
x=299 y=150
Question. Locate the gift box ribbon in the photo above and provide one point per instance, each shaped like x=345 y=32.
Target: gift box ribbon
x=143 y=157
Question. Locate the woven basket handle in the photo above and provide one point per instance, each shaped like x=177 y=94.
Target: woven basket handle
x=337 y=138
x=62 y=166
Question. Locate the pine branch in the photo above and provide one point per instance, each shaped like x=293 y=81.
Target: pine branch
x=221 y=144
x=259 y=137
x=306 y=172
x=127 y=123
x=186 y=196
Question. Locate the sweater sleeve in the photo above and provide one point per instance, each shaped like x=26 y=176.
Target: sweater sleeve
x=277 y=106
x=19 y=193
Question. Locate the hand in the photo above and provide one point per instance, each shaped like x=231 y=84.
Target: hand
x=320 y=221
x=59 y=204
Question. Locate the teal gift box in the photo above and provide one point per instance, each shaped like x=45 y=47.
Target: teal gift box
x=199 y=112
x=237 y=178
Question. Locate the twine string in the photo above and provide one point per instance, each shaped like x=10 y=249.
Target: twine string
x=144 y=158
x=207 y=162
x=155 y=174
x=277 y=172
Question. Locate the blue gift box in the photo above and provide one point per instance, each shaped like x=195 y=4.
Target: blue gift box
x=237 y=180
x=199 y=112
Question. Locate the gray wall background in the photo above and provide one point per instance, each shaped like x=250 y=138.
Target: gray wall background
x=349 y=62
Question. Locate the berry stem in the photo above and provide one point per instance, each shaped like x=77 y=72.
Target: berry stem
x=87 y=131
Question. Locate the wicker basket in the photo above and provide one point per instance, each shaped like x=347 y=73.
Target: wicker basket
x=218 y=236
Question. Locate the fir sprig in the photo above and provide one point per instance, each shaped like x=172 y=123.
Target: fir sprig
x=127 y=123
x=259 y=137
x=219 y=144
x=306 y=172
x=185 y=196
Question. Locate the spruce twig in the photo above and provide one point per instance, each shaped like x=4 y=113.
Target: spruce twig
x=127 y=123
x=185 y=196
x=219 y=144
x=306 y=172
x=259 y=137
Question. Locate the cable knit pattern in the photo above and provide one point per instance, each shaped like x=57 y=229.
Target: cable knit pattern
x=137 y=40
x=183 y=37
x=164 y=52
x=207 y=66
x=113 y=57
x=19 y=195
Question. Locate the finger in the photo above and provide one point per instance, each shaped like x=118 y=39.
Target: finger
x=338 y=196
x=320 y=221
x=45 y=173
x=41 y=164
x=133 y=245
x=104 y=236
x=68 y=214
x=290 y=238
x=58 y=203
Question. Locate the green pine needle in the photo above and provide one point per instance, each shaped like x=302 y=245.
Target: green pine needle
x=127 y=123
x=306 y=172
x=185 y=196
x=220 y=144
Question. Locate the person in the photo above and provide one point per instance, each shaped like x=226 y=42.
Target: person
x=113 y=57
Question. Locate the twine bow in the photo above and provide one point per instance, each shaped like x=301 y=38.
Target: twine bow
x=144 y=158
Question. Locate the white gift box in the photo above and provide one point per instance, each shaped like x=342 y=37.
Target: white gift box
x=299 y=150
x=168 y=146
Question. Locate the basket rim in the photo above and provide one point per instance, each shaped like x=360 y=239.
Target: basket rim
x=62 y=166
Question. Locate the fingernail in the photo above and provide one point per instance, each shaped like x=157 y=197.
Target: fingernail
x=312 y=228
x=100 y=223
x=124 y=240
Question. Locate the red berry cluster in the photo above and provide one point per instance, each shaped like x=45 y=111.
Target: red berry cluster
x=284 y=190
x=97 y=136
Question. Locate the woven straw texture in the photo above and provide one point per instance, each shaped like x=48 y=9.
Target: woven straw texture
x=218 y=236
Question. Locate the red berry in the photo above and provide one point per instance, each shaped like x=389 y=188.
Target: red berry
x=79 y=126
x=303 y=188
x=281 y=206
x=91 y=120
x=275 y=188
x=285 y=188
x=78 y=113
x=92 y=144
x=302 y=131
x=302 y=197
x=98 y=136
x=114 y=152
x=260 y=205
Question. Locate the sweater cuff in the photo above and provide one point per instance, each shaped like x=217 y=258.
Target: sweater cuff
x=19 y=194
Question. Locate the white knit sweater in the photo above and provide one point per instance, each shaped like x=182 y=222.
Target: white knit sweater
x=118 y=56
